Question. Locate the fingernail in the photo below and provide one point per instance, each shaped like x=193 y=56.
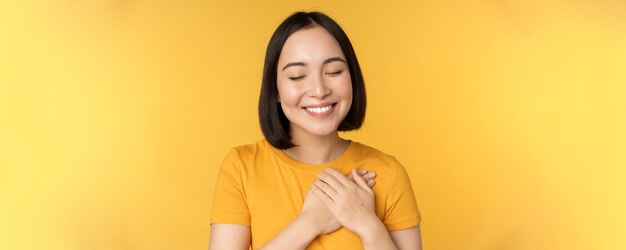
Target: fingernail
x=372 y=174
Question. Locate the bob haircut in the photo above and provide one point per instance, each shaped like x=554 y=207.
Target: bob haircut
x=274 y=123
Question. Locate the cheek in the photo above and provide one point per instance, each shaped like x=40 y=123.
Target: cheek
x=345 y=88
x=288 y=95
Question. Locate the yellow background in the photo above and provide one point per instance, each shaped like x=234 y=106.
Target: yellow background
x=510 y=116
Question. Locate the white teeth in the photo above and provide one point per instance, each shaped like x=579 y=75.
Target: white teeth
x=319 y=110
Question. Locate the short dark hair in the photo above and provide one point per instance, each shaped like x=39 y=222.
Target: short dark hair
x=274 y=123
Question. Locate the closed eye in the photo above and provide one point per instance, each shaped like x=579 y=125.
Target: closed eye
x=295 y=78
x=336 y=73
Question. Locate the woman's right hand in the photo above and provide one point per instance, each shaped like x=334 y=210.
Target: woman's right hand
x=318 y=214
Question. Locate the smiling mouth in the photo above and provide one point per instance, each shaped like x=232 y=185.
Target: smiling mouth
x=320 y=109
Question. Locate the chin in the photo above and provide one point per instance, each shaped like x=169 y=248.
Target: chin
x=323 y=131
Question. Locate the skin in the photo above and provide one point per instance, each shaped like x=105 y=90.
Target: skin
x=312 y=70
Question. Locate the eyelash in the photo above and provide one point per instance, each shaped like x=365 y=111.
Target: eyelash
x=336 y=73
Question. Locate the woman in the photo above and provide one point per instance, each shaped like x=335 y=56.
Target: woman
x=300 y=187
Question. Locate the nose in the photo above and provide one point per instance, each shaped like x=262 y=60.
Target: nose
x=318 y=88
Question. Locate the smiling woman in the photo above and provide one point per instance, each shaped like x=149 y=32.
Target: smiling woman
x=304 y=186
x=317 y=83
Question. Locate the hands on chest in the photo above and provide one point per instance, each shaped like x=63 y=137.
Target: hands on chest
x=335 y=200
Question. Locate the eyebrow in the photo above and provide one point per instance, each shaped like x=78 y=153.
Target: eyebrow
x=329 y=60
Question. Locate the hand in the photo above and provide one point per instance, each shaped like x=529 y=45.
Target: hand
x=351 y=204
x=314 y=209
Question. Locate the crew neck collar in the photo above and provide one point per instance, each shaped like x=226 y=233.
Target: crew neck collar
x=340 y=163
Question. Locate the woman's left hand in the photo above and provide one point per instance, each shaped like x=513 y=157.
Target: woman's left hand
x=351 y=202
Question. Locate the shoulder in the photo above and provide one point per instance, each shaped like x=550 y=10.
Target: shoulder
x=386 y=166
x=367 y=153
x=251 y=149
x=245 y=154
x=393 y=189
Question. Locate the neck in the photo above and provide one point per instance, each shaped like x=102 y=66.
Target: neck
x=317 y=149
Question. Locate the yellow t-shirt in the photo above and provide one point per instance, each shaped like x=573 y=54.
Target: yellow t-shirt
x=262 y=187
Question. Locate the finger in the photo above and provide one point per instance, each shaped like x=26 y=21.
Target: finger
x=339 y=177
x=329 y=203
x=362 y=172
x=331 y=180
x=327 y=189
x=369 y=179
x=360 y=181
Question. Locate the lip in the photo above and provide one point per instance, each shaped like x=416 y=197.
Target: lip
x=321 y=115
x=320 y=105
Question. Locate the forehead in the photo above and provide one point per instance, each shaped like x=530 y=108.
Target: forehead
x=314 y=44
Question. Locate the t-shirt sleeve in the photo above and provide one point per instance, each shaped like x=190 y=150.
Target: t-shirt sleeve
x=229 y=200
x=401 y=212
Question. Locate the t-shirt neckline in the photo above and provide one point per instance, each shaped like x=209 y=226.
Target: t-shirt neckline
x=340 y=163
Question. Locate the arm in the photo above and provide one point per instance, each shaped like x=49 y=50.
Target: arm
x=410 y=238
x=377 y=237
x=353 y=206
x=405 y=207
x=315 y=219
x=229 y=236
x=297 y=235
x=230 y=218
